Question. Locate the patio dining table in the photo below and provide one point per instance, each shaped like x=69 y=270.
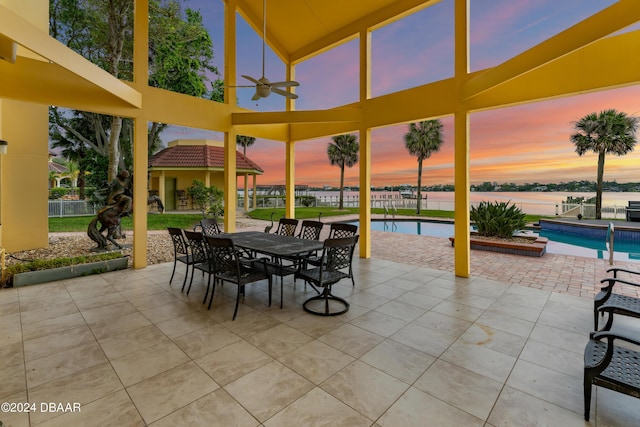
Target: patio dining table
x=273 y=244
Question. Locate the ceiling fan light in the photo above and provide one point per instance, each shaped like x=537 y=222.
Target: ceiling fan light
x=263 y=91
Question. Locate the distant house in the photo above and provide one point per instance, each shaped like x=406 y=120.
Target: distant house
x=57 y=172
x=172 y=170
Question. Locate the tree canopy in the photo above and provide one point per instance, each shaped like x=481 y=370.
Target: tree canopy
x=343 y=151
x=423 y=139
x=180 y=59
x=607 y=132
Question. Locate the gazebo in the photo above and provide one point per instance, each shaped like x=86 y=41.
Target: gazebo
x=172 y=170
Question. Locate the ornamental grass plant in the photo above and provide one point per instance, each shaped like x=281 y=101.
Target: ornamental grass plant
x=497 y=219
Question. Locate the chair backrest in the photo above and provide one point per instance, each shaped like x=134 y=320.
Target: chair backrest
x=340 y=230
x=223 y=254
x=208 y=226
x=310 y=230
x=180 y=245
x=196 y=243
x=287 y=227
x=339 y=252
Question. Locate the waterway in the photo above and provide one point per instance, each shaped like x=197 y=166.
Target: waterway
x=533 y=202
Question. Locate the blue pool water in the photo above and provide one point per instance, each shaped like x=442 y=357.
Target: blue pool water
x=559 y=243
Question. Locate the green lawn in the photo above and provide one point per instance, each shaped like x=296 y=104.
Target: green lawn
x=154 y=222
x=187 y=221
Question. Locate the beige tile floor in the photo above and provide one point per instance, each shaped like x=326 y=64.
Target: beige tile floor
x=419 y=347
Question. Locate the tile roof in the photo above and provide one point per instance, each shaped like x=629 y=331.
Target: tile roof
x=57 y=168
x=198 y=156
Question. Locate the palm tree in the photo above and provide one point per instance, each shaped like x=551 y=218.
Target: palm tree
x=343 y=151
x=245 y=141
x=422 y=140
x=608 y=132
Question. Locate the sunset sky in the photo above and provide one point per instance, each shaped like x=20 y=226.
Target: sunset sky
x=527 y=143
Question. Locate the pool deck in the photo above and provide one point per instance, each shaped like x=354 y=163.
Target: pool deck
x=603 y=223
x=574 y=275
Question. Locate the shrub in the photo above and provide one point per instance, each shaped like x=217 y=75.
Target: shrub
x=307 y=201
x=58 y=192
x=497 y=219
x=45 y=264
x=209 y=199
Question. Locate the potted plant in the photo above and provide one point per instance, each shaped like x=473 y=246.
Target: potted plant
x=499 y=228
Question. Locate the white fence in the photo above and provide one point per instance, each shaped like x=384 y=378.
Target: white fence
x=587 y=210
x=60 y=208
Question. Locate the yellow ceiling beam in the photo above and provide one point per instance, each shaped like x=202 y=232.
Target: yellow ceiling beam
x=46 y=83
x=349 y=114
x=605 y=64
x=393 y=12
x=420 y=103
x=27 y=35
x=607 y=21
x=304 y=131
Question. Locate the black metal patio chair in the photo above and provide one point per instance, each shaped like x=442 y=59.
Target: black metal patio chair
x=181 y=252
x=199 y=253
x=337 y=258
x=287 y=266
x=208 y=227
x=338 y=230
x=230 y=266
x=287 y=227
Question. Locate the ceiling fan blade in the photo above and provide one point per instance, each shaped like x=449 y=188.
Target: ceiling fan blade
x=285 y=84
x=255 y=97
x=284 y=93
x=251 y=79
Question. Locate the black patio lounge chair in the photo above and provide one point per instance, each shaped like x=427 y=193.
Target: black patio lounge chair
x=618 y=303
x=611 y=365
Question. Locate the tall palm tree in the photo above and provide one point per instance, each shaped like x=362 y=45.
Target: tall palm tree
x=245 y=141
x=343 y=151
x=423 y=139
x=608 y=132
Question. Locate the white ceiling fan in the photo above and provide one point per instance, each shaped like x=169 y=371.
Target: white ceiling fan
x=263 y=86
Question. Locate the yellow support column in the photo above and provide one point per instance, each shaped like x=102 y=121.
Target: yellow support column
x=255 y=196
x=161 y=188
x=246 y=192
x=365 y=148
x=290 y=166
x=230 y=179
x=365 y=193
x=140 y=193
x=140 y=136
x=462 y=251
x=290 y=180
x=461 y=157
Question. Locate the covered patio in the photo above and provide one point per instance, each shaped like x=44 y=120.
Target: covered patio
x=417 y=345
x=583 y=58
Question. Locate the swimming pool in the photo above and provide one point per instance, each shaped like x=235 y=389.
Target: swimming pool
x=559 y=243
